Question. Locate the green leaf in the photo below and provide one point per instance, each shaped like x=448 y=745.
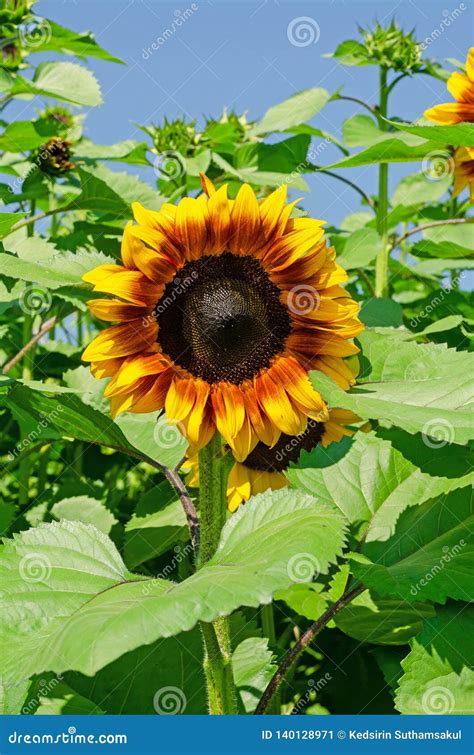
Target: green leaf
x=306 y=599
x=408 y=385
x=457 y=135
x=427 y=248
x=165 y=677
x=299 y=108
x=82 y=44
x=62 y=700
x=61 y=269
x=438 y=676
x=84 y=509
x=69 y=82
x=391 y=149
x=418 y=189
x=98 y=196
x=12 y=697
x=253 y=668
x=64 y=416
x=350 y=53
x=429 y=555
x=128 y=151
x=354 y=483
x=461 y=235
x=382 y=621
x=8 y=220
x=381 y=313
x=69 y=602
x=440 y=326
x=129 y=188
x=26 y=135
x=151 y=535
x=360 y=249
x=362 y=131
x=153 y=436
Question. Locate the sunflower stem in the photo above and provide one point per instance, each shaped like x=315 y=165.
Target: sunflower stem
x=216 y=635
x=381 y=263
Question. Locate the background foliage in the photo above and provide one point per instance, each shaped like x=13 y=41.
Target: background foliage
x=85 y=508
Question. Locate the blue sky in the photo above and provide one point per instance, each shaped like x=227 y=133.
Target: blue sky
x=238 y=54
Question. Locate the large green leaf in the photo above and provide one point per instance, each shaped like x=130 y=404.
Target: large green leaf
x=457 y=135
x=374 y=482
x=98 y=196
x=253 y=667
x=128 y=151
x=362 y=131
x=64 y=81
x=60 y=39
x=26 y=135
x=8 y=220
x=64 y=416
x=391 y=149
x=360 y=249
x=163 y=678
x=382 y=621
x=83 y=508
x=418 y=387
x=70 y=603
x=154 y=436
x=438 y=676
x=151 y=535
x=418 y=189
x=299 y=108
x=429 y=555
x=128 y=187
x=61 y=269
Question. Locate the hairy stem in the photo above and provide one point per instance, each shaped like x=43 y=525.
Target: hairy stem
x=217 y=647
x=381 y=263
x=305 y=639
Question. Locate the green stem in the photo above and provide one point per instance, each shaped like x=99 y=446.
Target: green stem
x=381 y=263
x=217 y=646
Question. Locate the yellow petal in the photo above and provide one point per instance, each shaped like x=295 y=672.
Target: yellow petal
x=245 y=233
x=121 y=341
x=191 y=227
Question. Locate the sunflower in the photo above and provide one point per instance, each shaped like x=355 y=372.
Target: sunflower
x=464 y=171
x=264 y=467
x=461 y=86
x=222 y=308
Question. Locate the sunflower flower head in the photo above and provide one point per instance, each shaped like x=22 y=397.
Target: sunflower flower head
x=264 y=468
x=222 y=307
x=461 y=87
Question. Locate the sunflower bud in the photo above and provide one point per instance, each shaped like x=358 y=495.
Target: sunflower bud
x=53 y=157
x=392 y=47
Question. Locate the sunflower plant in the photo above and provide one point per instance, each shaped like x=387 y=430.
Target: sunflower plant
x=229 y=428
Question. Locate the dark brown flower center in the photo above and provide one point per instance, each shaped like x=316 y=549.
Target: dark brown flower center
x=286 y=450
x=221 y=318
